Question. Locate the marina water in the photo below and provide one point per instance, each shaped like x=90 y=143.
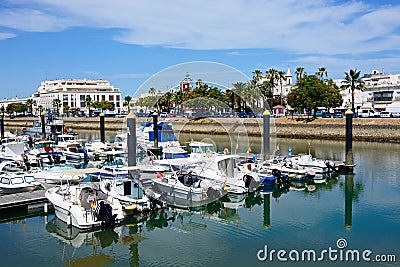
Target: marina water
x=357 y=211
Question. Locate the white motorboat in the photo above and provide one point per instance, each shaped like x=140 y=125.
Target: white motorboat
x=18 y=182
x=11 y=149
x=223 y=168
x=52 y=127
x=133 y=197
x=59 y=174
x=85 y=206
x=189 y=186
x=45 y=153
x=316 y=165
x=75 y=151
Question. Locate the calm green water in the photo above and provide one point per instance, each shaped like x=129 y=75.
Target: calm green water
x=363 y=209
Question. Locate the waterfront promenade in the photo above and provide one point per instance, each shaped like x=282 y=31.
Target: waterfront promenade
x=364 y=129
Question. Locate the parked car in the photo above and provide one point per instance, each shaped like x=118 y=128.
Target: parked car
x=368 y=113
x=337 y=114
x=326 y=115
x=386 y=114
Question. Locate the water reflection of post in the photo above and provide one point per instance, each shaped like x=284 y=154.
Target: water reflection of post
x=348 y=201
x=133 y=250
x=267 y=210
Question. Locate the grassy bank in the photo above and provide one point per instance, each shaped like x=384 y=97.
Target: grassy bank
x=375 y=130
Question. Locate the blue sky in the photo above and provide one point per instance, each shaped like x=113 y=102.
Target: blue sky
x=127 y=41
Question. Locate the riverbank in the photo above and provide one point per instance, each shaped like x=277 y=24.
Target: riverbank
x=364 y=129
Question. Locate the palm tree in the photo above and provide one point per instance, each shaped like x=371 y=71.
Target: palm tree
x=321 y=73
x=30 y=103
x=299 y=74
x=126 y=103
x=66 y=109
x=273 y=77
x=352 y=80
x=152 y=91
x=88 y=104
x=56 y=105
x=199 y=82
x=257 y=74
x=281 y=76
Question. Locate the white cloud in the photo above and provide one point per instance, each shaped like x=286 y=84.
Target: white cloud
x=320 y=26
x=6 y=35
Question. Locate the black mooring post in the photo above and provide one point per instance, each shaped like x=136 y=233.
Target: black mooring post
x=102 y=129
x=43 y=126
x=349 y=138
x=155 y=129
x=266 y=134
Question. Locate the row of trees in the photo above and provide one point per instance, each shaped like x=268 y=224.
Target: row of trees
x=28 y=107
x=308 y=93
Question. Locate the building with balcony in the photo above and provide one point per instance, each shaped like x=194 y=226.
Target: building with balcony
x=381 y=88
x=72 y=93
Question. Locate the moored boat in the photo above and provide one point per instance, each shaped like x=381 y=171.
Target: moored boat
x=85 y=206
x=18 y=182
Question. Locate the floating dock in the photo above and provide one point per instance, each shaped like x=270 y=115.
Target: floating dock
x=27 y=201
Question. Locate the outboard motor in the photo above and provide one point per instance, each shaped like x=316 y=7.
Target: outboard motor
x=154 y=202
x=213 y=194
x=331 y=166
x=276 y=173
x=104 y=214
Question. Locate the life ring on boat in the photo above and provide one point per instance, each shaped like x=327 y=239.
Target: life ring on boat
x=226 y=151
x=209 y=153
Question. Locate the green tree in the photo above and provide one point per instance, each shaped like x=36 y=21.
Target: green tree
x=103 y=104
x=152 y=91
x=56 y=105
x=88 y=104
x=66 y=109
x=314 y=93
x=321 y=73
x=353 y=80
x=300 y=74
x=29 y=104
x=16 y=108
x=127 y=101
x=257 y=75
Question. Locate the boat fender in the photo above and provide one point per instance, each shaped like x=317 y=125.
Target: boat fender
x=226 y=151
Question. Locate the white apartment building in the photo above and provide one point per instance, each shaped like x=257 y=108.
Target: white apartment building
x=73 y=93
x=382 y=88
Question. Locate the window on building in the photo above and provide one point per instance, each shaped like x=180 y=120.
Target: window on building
x=111 y=98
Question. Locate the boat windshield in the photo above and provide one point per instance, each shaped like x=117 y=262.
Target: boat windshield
x=29 y=179
x=17 y=180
